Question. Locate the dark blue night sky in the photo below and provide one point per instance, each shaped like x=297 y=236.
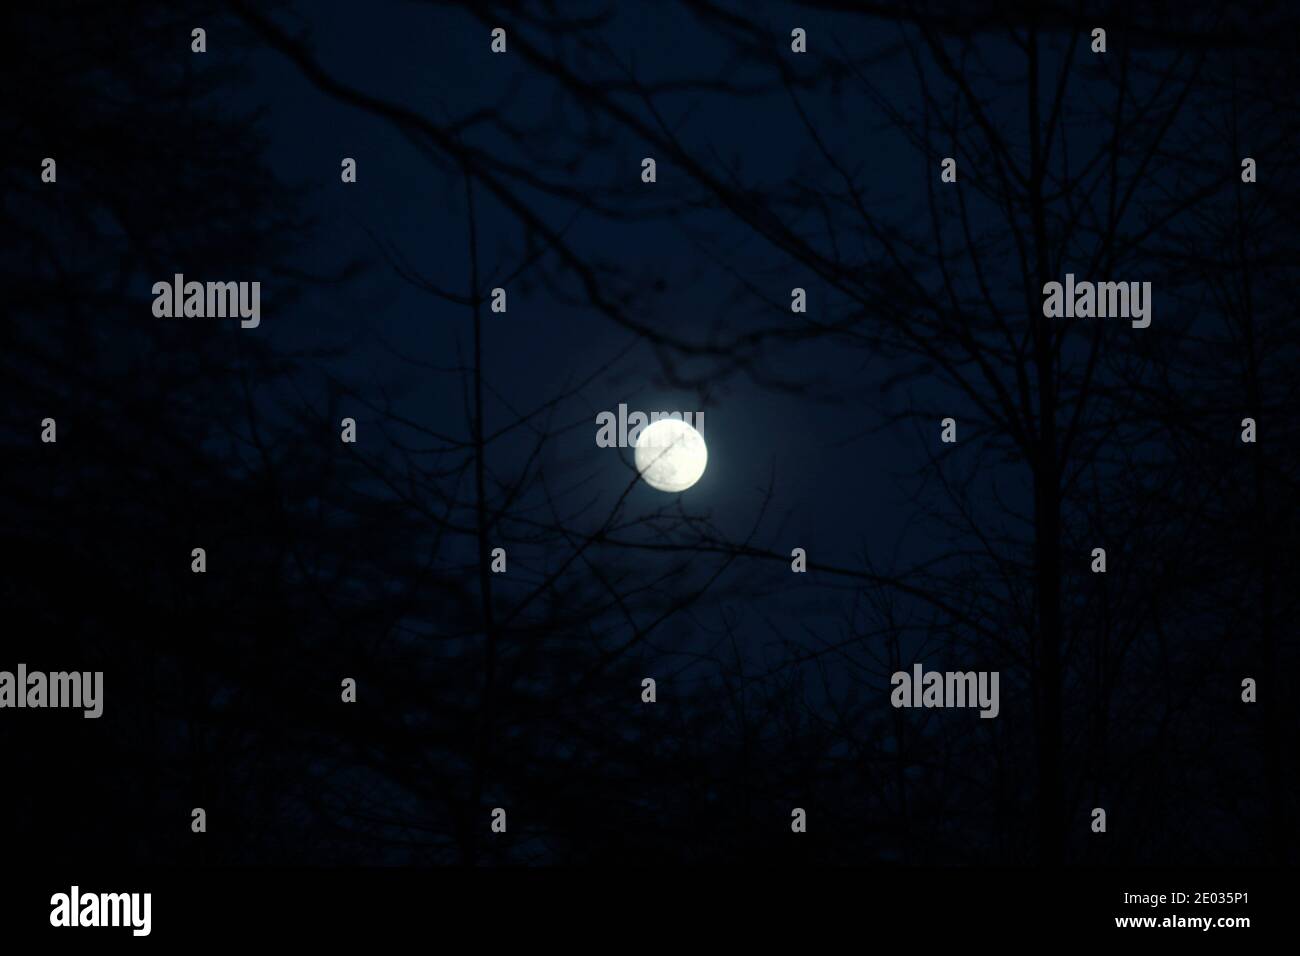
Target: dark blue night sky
x=522 y=688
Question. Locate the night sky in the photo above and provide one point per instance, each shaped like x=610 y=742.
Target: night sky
x=776 y=170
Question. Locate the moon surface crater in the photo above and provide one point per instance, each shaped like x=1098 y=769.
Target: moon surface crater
x=670 y=455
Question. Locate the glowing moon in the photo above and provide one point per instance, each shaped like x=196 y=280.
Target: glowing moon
x=670 y=455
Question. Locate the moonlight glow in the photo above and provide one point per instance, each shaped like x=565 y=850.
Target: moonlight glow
x=670 y=455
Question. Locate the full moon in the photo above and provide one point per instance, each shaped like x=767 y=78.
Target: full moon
x=670 y=455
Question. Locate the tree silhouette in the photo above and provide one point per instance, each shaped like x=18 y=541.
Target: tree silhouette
x=373 y=560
